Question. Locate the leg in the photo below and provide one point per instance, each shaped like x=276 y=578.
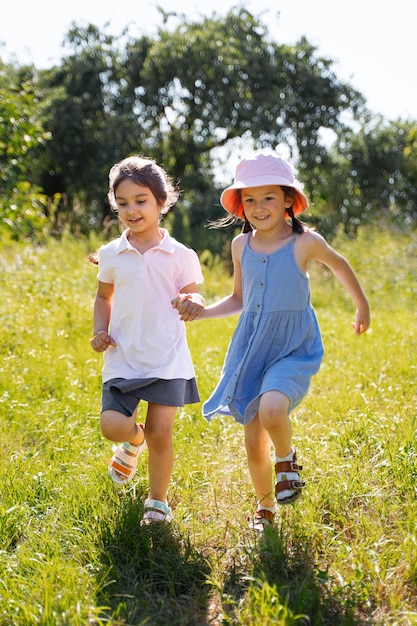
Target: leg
x=258 y=450
x=118 y=427
x=273 y=415
x=159 y=429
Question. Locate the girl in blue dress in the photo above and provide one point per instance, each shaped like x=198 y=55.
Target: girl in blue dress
x=277 y=346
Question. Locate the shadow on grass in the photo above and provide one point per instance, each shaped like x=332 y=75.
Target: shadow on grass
x=154 y=575
x=285 y=586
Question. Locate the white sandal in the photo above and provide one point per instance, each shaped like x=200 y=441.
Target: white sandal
x=156 y=511
x=122 y=466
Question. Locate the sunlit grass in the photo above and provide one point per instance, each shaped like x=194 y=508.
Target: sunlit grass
x=71 y=548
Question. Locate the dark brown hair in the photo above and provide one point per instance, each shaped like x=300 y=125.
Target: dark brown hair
x=147 y=173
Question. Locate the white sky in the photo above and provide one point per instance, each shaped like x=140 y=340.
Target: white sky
x=371 y=41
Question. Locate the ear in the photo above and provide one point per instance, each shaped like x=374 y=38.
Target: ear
x=289 y=201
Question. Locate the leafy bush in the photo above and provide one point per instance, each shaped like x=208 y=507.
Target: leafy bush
x=27 y=214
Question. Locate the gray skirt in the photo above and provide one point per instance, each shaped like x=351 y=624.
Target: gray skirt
x=122 y=395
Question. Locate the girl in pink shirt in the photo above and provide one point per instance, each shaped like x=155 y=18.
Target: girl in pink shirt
x=146 y=356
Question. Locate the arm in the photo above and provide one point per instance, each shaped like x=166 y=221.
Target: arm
x=232 y=303
x=101 y=340
x=227 y=306
x=317 y=248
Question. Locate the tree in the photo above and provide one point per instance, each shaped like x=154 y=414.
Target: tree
x=370 y=173
x=78 y=111
x=204 y=84
x=20 y=128
x=23 y=208
x=181 y=97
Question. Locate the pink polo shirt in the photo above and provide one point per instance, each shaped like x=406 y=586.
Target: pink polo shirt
x=151 y=339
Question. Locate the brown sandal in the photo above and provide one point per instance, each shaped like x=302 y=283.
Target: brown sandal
x=294 y=485
x=261 y=519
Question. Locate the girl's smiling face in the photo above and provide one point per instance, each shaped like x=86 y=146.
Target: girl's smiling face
x=137 y=208
x=265 y=206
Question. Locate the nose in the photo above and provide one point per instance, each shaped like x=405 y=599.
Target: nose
x=131 y=207
x=258 y=205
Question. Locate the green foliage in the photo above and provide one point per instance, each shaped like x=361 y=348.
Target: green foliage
x=71 y=547
x=24 y=209
x=190 y=96
x=76 y=110
x=373 y=173
x=181 y=97
x=20 y=129
x=27 y=214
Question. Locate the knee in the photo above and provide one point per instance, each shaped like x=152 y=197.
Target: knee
x=114 y=426
x=272 y=418
x=158 y=437
x=273 y=410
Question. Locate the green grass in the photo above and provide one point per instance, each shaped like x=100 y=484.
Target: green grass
x=72 y=551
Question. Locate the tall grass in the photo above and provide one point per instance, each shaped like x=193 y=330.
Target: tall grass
x=72 y=551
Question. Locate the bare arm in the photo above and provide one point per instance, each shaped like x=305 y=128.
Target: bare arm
x=231 y=304
x=317 y=248
x=227 y=306
x=101 y=339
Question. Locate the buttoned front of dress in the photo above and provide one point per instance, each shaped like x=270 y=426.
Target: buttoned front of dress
x=253 y=301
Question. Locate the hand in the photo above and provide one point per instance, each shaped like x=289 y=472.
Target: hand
x=362 y=322
x=101 y=341
x=188 y=308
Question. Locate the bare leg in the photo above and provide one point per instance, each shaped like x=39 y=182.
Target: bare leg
x=273 y=416
x=258 y=450
x=118 y=427
x=121 y=428
x=159 y=429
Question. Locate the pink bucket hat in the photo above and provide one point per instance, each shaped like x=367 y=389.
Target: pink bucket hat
x=257 y=171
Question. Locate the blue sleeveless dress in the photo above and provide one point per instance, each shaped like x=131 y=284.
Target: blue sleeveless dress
x=277 y=343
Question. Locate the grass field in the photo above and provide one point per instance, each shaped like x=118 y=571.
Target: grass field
x=72 y=551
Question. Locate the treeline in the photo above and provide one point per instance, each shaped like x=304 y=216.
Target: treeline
x=189 y=96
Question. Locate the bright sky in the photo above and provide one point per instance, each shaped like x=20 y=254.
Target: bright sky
x=372 y=43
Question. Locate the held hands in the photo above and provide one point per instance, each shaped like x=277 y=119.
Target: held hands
x=101 y=341
x=188 y=308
